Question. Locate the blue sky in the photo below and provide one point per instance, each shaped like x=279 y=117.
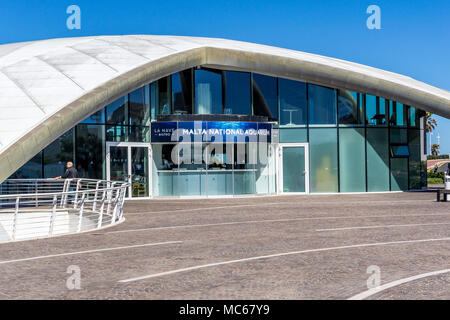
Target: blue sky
x=414 y=39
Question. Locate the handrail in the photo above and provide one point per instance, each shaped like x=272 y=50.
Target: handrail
x=35 y=208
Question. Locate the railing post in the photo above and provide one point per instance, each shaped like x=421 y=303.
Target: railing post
x=53 y=215
x=78 y=182
x=122 y=200
x=80 y=219
x=102 y=206
x=116 y=202
x=16 y=212
x=94 y=205
x=65 y=190
x=36 y=194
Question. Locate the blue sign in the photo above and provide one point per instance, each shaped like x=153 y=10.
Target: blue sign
x=210 y=131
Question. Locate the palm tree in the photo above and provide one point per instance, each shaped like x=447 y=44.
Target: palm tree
x=435 y=149
x=430 y=123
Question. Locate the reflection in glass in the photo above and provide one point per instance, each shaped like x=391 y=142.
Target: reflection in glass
x=293 y=169
x=208 y=91
x=30 y=170
x=162 y=88
x=57 y=154
x=237 y=93
x=139 y=172
x=89 y=151
x=322 y=105
x=118 y=163
x=414 y=159
x=265 y=100
x=98 y=117
x=399 y=174
x=293 y=103
x=377 y=160
x=139 y=110
x=116 y=112
x=352 y=160
x=117 y=133
x=350 y=108
x=323 y=160
x=182 y=92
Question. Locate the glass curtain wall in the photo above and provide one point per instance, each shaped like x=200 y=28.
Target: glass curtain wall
x=335 y=122
x=352 y=160
x=208 y=91
x=265 y=96
x=237 y=93
x=377 y=159
x=323 y=160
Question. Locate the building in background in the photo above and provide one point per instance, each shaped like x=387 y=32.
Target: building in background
x=112 y=105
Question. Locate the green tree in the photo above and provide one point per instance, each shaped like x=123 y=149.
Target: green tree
x=435 y=149
x=430 y=123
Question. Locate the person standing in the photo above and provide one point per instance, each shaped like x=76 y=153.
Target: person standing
x=71 y=172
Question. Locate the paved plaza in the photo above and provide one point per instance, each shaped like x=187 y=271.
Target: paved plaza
x=276 y=247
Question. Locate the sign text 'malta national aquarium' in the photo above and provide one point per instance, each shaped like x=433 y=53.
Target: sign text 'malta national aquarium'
x=210 y=131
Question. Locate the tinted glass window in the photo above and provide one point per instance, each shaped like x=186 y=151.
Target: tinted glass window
x=352 y=160
x=116 y=112
x=208 y=91
x=323 y=160
x=139 y=111
x=265 y=96
x=89 y=151
x=322 y=105
x=57 y=154
x=350 y=108
x=237 y=93
x=377 y=159
x=98 y=117
x=182 y=92
x=163 y=96
x=293 y=103
x=30 y=170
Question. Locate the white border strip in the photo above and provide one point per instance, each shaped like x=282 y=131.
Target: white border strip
x=88 y=251
x=371 y=292
x=269 y=221
x=302 y=204
x=385 y=226
x=155 y=275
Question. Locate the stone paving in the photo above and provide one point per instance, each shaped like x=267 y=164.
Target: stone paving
x=403 y=234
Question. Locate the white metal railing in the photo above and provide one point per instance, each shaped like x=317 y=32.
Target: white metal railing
x=35 y=208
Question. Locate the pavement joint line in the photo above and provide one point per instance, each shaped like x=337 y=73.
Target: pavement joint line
x=278 y=203
x=155 y=275
x=266 y=221
x=365 y=294
x=384 y=226
x=88 y=251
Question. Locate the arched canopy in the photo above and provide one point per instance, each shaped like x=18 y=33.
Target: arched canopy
x=49 y=86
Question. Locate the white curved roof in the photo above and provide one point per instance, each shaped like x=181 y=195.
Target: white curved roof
x=48 y=86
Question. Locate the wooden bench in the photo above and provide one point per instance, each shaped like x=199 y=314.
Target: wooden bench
x=444 y=192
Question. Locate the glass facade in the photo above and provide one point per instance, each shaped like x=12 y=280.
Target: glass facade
x=357 y=142
x=265 y=96
x=208 y=92
x=322 y=105
x=377 y=159
x=352 y=164
x=323 y=160
x=293 y=103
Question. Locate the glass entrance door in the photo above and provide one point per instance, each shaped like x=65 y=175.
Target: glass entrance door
x=129 y=162
x=294 y=168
